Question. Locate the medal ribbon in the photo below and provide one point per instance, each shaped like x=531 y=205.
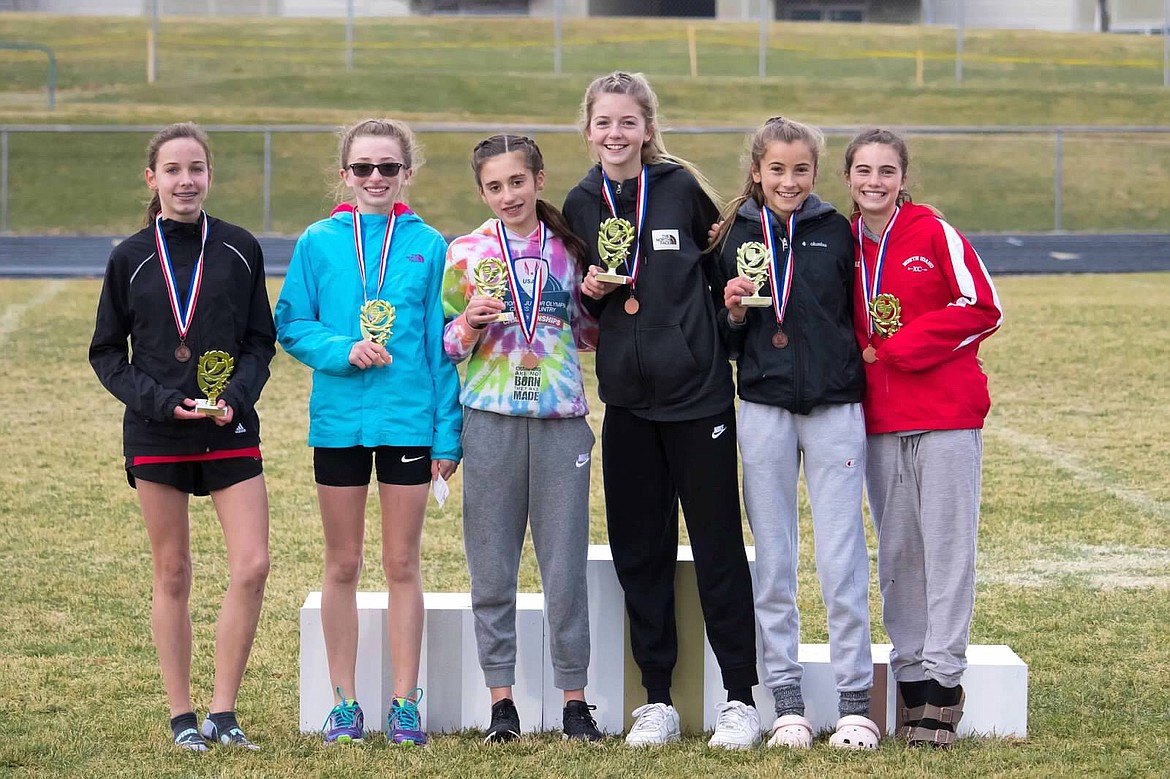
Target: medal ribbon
x=871 y=293
x=781 y=282
x=361 y=254
x=526 y=315
x=183 y=314
x=632 y=264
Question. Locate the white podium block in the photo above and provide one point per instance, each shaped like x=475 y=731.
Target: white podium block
x=455 y=696
x=996 y=680
x=996 y=685
x=373 y=676
x=607 y=650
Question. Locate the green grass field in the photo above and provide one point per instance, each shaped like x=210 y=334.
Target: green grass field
x=1075 y=531
x=488 y=71
x=1072 y=569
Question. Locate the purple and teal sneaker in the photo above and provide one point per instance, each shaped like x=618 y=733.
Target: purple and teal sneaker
x=346 y=724
x=402 y=723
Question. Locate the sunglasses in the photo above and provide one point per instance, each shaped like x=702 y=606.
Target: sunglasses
x=387 y=169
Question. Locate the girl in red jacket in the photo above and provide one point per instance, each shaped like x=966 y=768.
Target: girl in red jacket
x=923 y=303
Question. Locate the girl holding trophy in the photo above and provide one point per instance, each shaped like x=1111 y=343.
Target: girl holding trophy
x=526 y=441
x=669 y=428
x=187 y=292
x=788 y=258
x=922 y=304
x=361 y=306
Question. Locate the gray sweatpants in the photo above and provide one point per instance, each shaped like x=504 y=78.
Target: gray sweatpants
x=517 y=470
x=924 y=496
x=831 y=442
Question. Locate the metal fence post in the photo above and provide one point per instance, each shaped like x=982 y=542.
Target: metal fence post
x=1057 y=220
x=962 y=8
x=349 y=34
x=267 y=179
x=764 y=4
x=558 y=42
x=3 y=181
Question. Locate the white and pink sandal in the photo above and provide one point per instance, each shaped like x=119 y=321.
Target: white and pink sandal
x=792 y=731
x=855 y=732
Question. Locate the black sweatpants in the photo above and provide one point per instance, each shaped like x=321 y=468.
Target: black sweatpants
x=648 y=468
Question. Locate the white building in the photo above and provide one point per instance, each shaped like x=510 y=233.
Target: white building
x=1055 y=15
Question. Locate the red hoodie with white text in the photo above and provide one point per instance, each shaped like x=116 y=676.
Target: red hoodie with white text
x=927 y=375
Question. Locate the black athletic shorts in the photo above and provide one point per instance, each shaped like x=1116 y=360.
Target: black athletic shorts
x=197 y=478
x=350 y=467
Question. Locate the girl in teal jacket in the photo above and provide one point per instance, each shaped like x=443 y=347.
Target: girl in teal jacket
x=361 y=306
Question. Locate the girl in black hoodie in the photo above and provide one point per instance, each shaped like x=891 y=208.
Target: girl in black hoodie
x=800 y=388
x=669 y=429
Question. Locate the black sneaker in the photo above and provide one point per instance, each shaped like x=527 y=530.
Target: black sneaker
x=578 y=723
x=505 y=723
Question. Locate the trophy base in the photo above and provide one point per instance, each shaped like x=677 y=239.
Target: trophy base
x=755 y=301
x=504 y=318
x=613 y=278
x=209 y=409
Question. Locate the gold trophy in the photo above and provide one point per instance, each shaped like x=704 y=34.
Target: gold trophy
x=615 y=236
x=753 y=260
x=376 y=321
x=214 y=370
x=490 y=277
x=887 y=314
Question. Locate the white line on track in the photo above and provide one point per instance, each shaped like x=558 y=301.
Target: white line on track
x=11 y=315
x=1080 y=471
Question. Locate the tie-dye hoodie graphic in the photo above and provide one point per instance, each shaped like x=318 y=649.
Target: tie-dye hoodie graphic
x=496 y=380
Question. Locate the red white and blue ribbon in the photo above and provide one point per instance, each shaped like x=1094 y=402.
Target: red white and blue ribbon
x=361 y=254
x=780 y=280
x=632 y=262
x=871 y=292
x=183 y=313
x=527 y=308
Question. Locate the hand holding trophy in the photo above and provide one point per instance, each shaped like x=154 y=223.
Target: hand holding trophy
x=753 y=260
x=490 y=277
x=214 y=370
x=376 y=321
x=615 y=236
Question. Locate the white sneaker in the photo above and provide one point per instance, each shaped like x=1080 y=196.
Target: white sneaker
x=656 y=723
x=737 y=726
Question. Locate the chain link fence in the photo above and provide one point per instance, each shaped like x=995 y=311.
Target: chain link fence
x=277 y=180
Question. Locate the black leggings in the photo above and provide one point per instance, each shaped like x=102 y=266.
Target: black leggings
x=648 y=468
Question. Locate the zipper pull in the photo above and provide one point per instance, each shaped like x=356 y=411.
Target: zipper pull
x=618 y=188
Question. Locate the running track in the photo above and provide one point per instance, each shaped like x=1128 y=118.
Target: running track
x=1034 y=253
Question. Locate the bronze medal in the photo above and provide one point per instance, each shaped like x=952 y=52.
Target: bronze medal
x=632 y=305
x=182 y=352
x=529 y=361
x=869 y=354
x=779 y=339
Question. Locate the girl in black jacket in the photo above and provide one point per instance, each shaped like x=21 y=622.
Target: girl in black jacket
x=800 y=384
x=669 y=429
x=187 y=292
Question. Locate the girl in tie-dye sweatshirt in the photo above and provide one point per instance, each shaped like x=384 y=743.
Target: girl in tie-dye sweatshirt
x=513 y=290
